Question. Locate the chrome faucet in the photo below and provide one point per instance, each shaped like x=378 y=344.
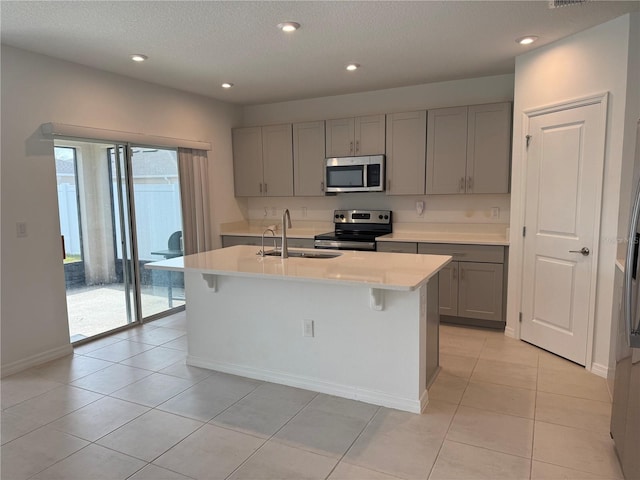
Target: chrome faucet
x=284 y=247
x=263 y=252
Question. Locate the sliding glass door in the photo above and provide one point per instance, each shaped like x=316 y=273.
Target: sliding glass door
x=158 y=222
x=119 y=209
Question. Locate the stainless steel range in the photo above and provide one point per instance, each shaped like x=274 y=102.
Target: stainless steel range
x=356 y=230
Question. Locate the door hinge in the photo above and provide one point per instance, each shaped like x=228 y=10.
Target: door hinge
x=528 y=137
x=520 y=317
x=524 y=231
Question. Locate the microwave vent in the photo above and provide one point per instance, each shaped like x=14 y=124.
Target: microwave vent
x=565 y=3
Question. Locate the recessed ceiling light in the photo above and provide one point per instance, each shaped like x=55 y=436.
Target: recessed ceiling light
x=227 y=85
x=138 y=57
x=353 y=66
x=289 y=27
x=528 y=40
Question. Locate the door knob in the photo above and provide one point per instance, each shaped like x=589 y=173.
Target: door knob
x=584 y=251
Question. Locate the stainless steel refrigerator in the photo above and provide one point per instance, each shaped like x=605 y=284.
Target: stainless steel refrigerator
x=625 y=413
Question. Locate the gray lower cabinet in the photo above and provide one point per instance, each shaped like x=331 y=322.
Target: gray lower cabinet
x=471 y=287
x=231 y=240
x=448 y=290
x=397 y=247
x=480 y=290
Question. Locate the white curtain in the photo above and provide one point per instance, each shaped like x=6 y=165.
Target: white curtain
x=194 y=192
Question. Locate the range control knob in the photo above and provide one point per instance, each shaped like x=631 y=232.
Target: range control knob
x=337 y=216
x=342 y=217
x=386 y=217
x=380 y=217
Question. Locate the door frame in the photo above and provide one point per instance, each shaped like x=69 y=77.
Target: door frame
x=513 y=327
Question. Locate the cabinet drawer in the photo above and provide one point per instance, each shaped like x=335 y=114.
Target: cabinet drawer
x=465 y=253
x=299 y=242
x=232 y=240
x=397 y=247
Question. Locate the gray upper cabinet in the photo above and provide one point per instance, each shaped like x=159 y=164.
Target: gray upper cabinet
x=489 y=148
x=247 y=161
x=446 y=150
x=263 y=161
x=308 y=159
x=277 y=160
x=355 y=136
x=406 y=144
x=468 y=149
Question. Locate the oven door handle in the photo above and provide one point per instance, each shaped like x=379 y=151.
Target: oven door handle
x=344 y=245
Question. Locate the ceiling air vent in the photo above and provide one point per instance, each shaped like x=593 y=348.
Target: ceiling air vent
x=564 y=3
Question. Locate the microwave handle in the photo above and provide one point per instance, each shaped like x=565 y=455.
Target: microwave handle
x=365 y=173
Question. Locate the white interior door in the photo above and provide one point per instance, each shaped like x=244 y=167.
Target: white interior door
x=562 y=213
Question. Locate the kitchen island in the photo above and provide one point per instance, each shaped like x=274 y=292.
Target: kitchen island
x=361 y=325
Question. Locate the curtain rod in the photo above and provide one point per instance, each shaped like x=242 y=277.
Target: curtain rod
x=79 y=132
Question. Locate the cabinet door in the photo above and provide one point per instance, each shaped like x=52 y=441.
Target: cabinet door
x=340 y=133
x=406 y=144
x=247 y=161
x=277 y=160
x=489 y=148
x=448 y=289
x=480 y=293
x=397 y=247
x=308 y=159
x=446 y=150
x=369 y=135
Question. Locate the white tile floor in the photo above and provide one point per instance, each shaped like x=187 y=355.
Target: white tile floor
x=127 y=407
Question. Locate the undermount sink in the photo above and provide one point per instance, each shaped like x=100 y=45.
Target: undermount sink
x=299 y=254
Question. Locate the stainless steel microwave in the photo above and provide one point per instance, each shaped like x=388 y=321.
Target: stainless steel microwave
x=354 y=174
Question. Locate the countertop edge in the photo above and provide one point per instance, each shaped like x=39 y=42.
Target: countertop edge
x=177 y=264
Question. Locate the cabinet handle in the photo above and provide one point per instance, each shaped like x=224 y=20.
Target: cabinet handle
x=351 y=147
x=461 y=185
x=461 y=273
x=322 y=186
x=265 y=188
x=454 y=273
x=261 y=187
x=357 y=146
x=388 y=184
x=470 y=185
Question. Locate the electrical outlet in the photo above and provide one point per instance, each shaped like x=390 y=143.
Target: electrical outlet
x=307 y=328
x=21 y=229
x=495 y=213
x=419 y=208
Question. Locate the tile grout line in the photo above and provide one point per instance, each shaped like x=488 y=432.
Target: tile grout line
x=270 y=437
x=444 y=438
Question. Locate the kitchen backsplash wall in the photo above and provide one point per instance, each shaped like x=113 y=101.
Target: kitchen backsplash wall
x=437 y=208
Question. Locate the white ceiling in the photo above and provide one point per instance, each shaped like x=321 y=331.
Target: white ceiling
x=197 y=45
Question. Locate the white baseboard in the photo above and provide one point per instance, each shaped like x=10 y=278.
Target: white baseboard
x=33 y=360
x=307 y=383
x=601 y=370
x=510 y=332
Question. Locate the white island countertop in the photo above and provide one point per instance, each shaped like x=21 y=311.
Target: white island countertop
x=385 y=271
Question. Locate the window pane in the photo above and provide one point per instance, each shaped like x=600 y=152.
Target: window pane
x=156 y=191
x=68 y=202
